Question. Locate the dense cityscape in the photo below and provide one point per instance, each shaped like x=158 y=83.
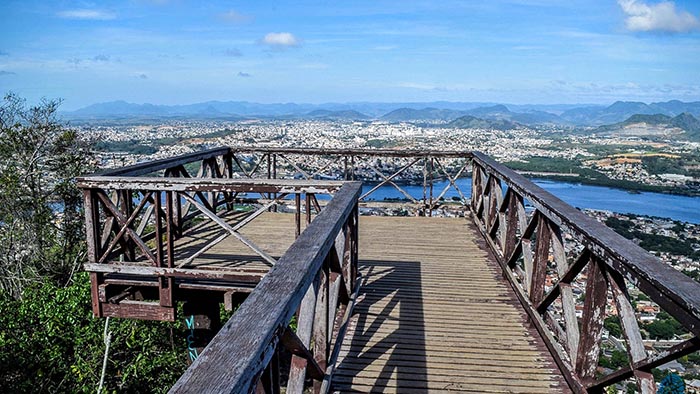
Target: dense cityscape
x=180 y=209
x=618 y=158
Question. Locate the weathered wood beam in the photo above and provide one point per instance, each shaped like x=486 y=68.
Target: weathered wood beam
x=191 y=273
x=236 y=357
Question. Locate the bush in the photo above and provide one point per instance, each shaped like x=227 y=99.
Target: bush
x=51 y=343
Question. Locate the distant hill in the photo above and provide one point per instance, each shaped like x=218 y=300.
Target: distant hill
x=531 y=117
x=411 y=114
x=494 y=112
x=338 y=115
x=527 y=114
x=622 y=110
x=683 y=126
x=472 y=122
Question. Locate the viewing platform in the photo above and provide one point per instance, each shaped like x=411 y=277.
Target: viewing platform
x=508 y=295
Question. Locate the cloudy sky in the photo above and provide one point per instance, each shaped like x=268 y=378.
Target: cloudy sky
x=512 y=51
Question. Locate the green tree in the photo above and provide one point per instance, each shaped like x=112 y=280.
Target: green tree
x=51 y=343
x=40 y=207
x=612 y=324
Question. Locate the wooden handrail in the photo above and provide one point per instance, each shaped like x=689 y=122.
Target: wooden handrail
x=668 y=287
x=236 y=357
x=498 y=200
x=161 y=164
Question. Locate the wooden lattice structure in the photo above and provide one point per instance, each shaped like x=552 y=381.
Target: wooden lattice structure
x=184 y=229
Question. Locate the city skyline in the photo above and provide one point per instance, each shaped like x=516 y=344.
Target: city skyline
x=511 y=51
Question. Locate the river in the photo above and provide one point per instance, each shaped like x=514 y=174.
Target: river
x=672 y=206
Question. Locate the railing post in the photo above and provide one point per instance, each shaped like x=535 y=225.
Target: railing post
x=166 y=284
x=592 y=321
x=274 y=176
x=92 y=225
x=202 y=322
x=305 y=320
x=430 y=209
x=320 y=326
x=297 y=214
x=126 y=208
x=539 y=269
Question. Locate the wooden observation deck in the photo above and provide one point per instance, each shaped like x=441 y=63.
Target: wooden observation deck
x=329 y=300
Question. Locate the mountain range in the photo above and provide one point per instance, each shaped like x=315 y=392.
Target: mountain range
x=684 y=126
x=565 y=114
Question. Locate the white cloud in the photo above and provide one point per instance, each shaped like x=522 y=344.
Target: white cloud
x=86 y=14
x=662 y=16
x=234 y=17
x=233 y=52
x=280 y=40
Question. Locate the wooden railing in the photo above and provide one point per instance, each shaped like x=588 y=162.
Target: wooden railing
x=382 y=167
x=135 y=215
x=554 y=241
x=545 y=247
x=316 y=279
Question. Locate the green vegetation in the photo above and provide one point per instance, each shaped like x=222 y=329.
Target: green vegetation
x=131 y=146
x=380 y=143
x=41 y=220
x=579 y=174
x=51 y=343
x=150 y=147
x=612 y=324
x=616 y=360
x=49 y=340
x=653 y=242
x=664 y=327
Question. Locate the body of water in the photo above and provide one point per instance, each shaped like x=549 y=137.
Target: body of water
x=581 y=196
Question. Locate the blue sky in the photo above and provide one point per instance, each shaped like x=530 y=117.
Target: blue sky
x=511 y=51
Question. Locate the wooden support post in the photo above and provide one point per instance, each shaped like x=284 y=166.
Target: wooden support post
x=125 y=208
x=274 y=176
x=307 y=207
x=158 y=228
x=476 y=187
x=539 y=269
x=305 y=320
x=269 y=166
x=568 y=301
x=297 y=214
x=92 y=223
x=592 y=321
x=321 y=326
x=345 y=168
x=352 y=168
x=630 y=331
x=511 y=224
x=202 y=322
x=270 y=379
x=430 y=210
x=166 y=284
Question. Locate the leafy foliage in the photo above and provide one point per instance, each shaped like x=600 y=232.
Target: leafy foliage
x=40 y=206
x=612 y=324
x=664 y=327
x=652 y=242
x=51 y=343
x=49 y=340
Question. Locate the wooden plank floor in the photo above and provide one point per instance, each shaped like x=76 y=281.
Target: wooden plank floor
x=435 y=315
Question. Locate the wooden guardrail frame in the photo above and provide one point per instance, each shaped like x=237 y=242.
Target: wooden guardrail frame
x=626 y=261
x=236 y=357
x=622 y=260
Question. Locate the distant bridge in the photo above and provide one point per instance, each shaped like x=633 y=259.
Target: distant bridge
x=328 y=300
